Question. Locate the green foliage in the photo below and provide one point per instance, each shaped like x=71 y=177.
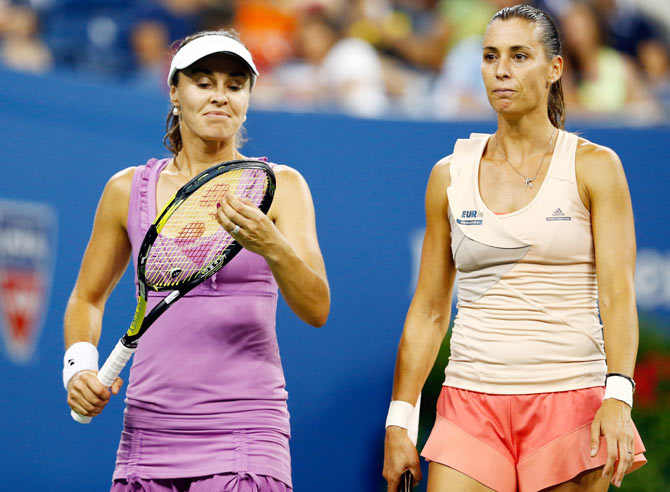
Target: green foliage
x=651 y=412
x=431 y=391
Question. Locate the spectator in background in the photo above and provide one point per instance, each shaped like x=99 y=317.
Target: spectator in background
x=412 y=41
x=601 y=81
x=220 y=15
x=180 y=17
x=414 y=58
x=149 y=40
x=624 y=28
x=21 y=47
x=655 y=61
x=296 y=82
x=415 y=33
x=352 y=71
x=267 y=27
x=466 y=17
x=158 y=23
x=334 y=70
x=459 y=89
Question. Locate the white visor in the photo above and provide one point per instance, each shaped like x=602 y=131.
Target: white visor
x=207 y=45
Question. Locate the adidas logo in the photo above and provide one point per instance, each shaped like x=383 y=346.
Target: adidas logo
x=558 y=215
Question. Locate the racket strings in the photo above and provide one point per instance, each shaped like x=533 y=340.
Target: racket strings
x=191 y=239
x=213 y=194
x=189 y=233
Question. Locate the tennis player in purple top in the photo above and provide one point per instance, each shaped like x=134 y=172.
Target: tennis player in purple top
x=205 y=404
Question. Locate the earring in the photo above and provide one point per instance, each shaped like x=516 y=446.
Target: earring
x=175 y=111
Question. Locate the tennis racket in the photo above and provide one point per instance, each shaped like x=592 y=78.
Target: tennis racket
x=413 y=433
x=186 y=245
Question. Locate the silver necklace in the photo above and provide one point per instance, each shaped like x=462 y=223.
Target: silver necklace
x=528 y=181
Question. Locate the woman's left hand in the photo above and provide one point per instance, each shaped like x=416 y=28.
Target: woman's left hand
x=256 y=231
x=286 y=238
x=614 y=423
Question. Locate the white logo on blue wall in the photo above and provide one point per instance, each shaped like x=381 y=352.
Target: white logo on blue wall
x=652 y=279
x=471 y=217
x=27 y=250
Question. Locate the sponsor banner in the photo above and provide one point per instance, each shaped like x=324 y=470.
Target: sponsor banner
x=27 y=254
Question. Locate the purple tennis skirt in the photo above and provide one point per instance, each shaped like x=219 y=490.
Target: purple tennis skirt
x=225 y=482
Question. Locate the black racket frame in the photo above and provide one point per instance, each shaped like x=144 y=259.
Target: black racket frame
x=184 y=192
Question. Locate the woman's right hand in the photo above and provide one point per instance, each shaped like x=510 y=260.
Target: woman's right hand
x=426 y=323
x=87 y=396
x=399 y=455
x=105 y=260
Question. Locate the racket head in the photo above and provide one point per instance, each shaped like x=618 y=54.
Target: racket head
x=186 y=245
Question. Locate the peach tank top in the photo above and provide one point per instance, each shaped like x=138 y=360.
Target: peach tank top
x=527 y=318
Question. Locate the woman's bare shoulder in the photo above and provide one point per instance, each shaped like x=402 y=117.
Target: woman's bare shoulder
x=442 y=171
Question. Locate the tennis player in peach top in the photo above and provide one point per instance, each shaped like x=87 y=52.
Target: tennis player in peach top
x=539 y=225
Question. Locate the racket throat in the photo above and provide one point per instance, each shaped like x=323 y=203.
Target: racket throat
x=138 y=319
x=129 y=344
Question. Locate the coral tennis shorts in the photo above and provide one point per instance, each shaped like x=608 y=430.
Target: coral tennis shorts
x=519 y=443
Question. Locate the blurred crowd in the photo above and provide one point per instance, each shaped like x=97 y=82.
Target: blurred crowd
x=369 y=58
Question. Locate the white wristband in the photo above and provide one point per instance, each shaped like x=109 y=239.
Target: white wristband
x=619 y=388
x=403 y=414
x=400 y=414
x=81 y=356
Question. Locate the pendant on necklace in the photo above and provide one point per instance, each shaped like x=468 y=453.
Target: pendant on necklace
x=529 y=182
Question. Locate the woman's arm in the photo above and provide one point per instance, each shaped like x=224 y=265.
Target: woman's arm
x=602 y=179
x=104 y=262
x=426 y=323
x=287 y=239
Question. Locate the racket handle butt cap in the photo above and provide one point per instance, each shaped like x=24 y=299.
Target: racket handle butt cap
x=80 y=418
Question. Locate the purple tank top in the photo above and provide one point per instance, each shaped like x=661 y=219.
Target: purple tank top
x=210 y=362
x=206 y=389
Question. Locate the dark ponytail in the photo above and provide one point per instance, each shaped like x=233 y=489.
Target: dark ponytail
x=551 y=41
x=172 y=138
x=556 y=105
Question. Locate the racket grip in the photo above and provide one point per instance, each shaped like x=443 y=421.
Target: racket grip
x=406 y=482
x=111 y=369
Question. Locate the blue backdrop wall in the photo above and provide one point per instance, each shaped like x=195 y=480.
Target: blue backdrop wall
x=62 y=138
